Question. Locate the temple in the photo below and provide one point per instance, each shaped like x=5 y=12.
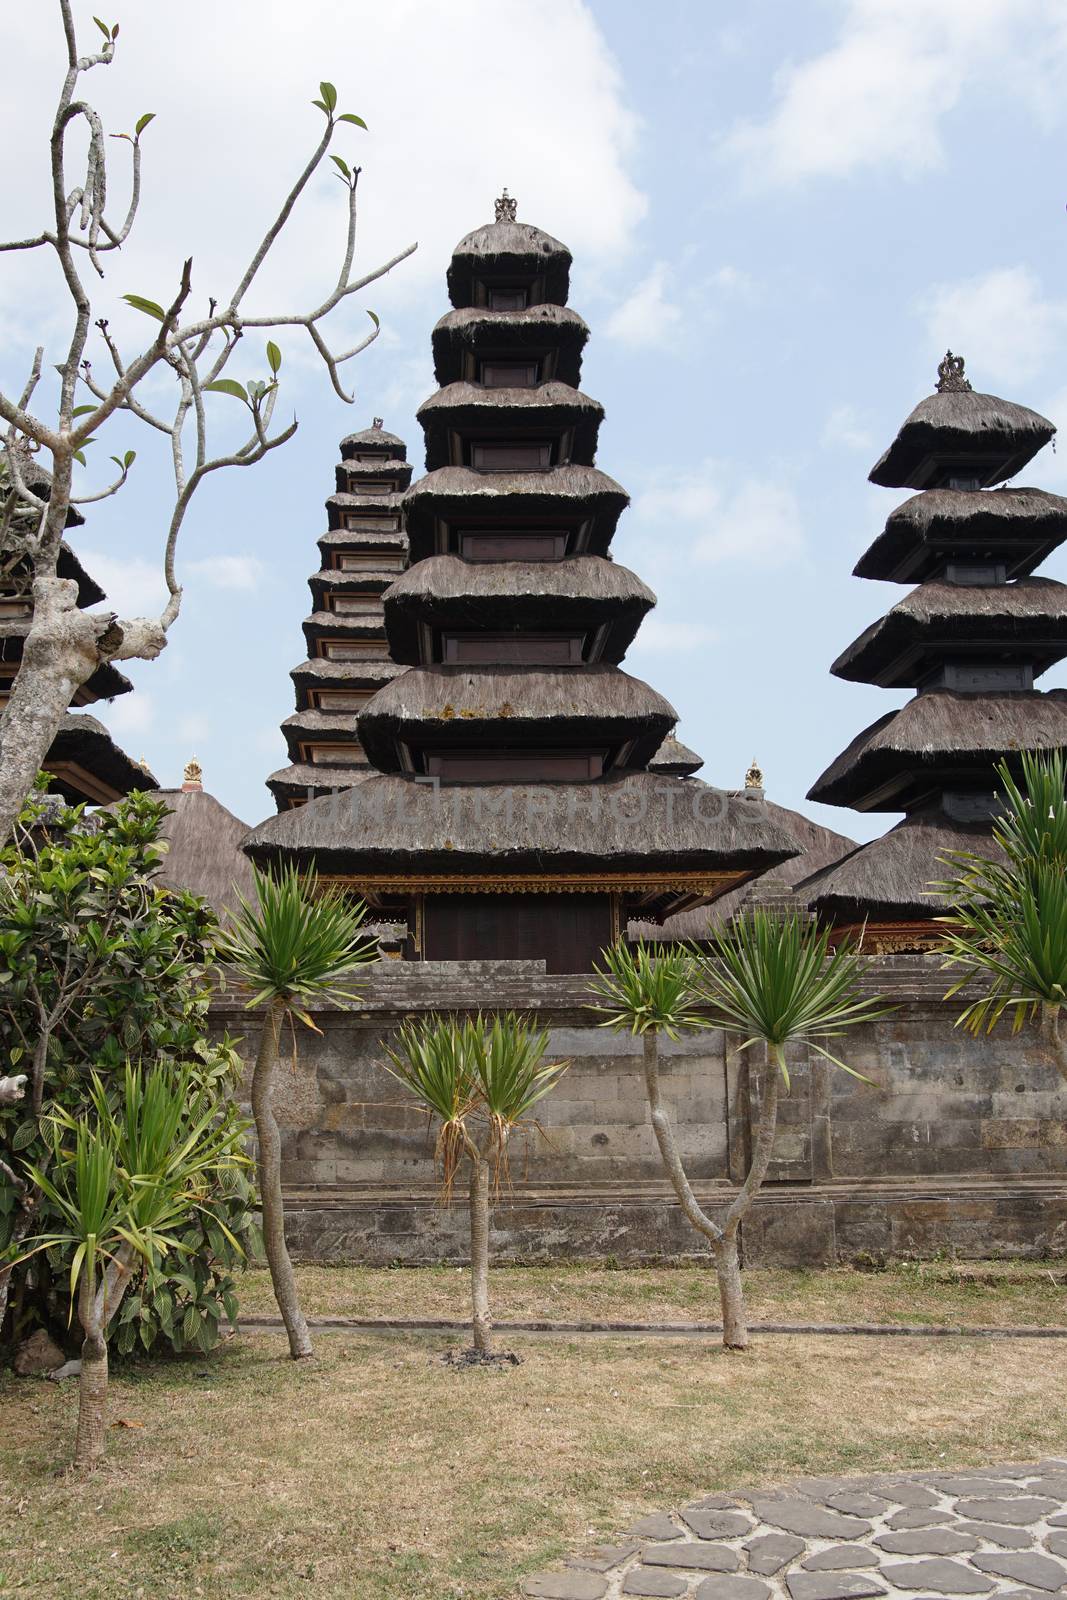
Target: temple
x=970 y=640
x=528 y=797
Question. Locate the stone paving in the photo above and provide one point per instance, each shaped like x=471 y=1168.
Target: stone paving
x=987 y=1531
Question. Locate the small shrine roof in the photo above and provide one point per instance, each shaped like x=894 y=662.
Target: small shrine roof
x=1019 y=527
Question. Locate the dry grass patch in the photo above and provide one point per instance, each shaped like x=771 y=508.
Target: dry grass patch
x=378 y=1472
x=1011 y=1294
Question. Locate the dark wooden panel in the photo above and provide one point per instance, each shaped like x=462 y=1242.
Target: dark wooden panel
x=534 y=649
x=568 y=931
x=512 y=546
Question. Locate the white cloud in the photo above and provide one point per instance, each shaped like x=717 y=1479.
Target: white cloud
x=134 y=587
x=751 y=524
x=228 y=572
x=674 y=638
x=131 y=714
x=647 y=317
x=1000 y=320
x=877 y=97
x=843 y=427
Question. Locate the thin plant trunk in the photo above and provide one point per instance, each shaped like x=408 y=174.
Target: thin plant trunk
x=731 y=1294
x=96 y=1308
x=282 y=1278
x=479 y=1207
x=1052 y=1038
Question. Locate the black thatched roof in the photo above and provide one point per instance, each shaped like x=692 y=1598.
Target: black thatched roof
x=1024 y=621
x=581 y=593
x=292 y=783
x=334 y=580
x=310 y=725
x=816 y=848
x=370 y=541
x=349 y=475
x=205 y=854
x=641 y=821
x=555 y=333
x=1019 y=527
x=980 y=434
x=888 y=880
x=105 y=683
x=84 y=743
x=508 y=250
x=464 y=707
x=675 y=758
x=386 y=508
x=576 y=497
x=318 y=673
x=940 y=739
x=332 y=625
x=69 y=566
x=374 y=441
x=550 y=409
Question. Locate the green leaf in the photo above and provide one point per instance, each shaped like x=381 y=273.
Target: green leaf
x=228 y=386
x=82 y=411
x=104 y=29
x=149 y=307
x=129 y=458
x=350 y=116
x=274 y=357
x=322 y=106
x=24 y=1134
x=142 y=122
x=79 y=456
x=375 y=318
x=329 y=94
x=342 y=166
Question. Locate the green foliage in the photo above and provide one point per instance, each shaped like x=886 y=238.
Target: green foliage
x=1008 y=928
x=645 y=990
x=121 y=970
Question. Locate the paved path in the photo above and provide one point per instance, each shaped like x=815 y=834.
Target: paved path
x=999 y=1531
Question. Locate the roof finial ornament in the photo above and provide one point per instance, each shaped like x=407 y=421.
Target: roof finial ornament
x=505 y=208
x=192 y=777
x=378 y=422
x=950 y=379
x=754 y=776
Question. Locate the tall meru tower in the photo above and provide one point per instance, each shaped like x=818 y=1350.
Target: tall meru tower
x=512 y=805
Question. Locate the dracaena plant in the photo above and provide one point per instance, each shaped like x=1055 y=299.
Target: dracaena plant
x=479 y=1079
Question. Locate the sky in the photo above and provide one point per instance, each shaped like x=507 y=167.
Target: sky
x=781 y=213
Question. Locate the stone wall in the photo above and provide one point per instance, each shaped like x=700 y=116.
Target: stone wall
x=957 y=1144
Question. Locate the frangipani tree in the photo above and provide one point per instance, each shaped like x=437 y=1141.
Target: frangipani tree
x=295 y=945
x=770 y=981
x=1007 y=934
x=65 y=646
x=480 y=1079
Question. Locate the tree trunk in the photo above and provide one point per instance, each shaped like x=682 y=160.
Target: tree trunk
x=479 y=1206
x=731 y=1294
x=1053 y=1039
x=282 y=1277
x=92 y=1382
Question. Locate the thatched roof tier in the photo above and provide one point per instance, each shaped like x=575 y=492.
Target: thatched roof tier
x=502 y=251
x=1016 y=527
x=205 y=855
x=36 y=477
x=86 y=763
x=554 y=410
x=105 y=683
x=384 y=509
x=336 y=625
x=640 y=823
x=318 y=673
x=889 y=879
x=555 y=335
x=585 y=502
x=374 y=442
x=351 y=475
x=335 y=580
x=1008 y=622
x=291 y=785
x=69 y=566
x=940 y=739
x=675 y=758
x=464 y=708
x=959 y=433
x=817 y=847
x=310 y=724
x=370 y=541
x=581 y=594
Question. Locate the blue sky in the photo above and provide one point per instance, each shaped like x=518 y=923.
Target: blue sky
x=781 y=213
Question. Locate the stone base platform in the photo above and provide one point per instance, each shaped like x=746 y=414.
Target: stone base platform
x=791 y=1225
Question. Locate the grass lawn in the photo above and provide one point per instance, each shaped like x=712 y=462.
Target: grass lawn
x=377 y=1472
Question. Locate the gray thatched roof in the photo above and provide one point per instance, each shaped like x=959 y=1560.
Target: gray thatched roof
x=332 y=625
x=312 y=725
x=675 y=758
x=374 y=441
x=994 y=437
x=549 y=408
x=940 y=738
x=105 y=683
x=204 y=854
x=641 y=821
x=555 y=333
x=1023 y=621
x=580 y=593
x=888 y=880
x=462 y=707
x=334 y=580
x=1019 y=527
x=569 y=496
x=84 y=742
x=502 y=250
x=292 y=783
x=36 y=477
x=364 y=541
x=318 y=673
x=369 y=506
x=816 y=848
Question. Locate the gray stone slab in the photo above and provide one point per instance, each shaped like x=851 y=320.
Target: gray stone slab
x=1020 y=1511
x=915 y=1517
x=688 y=1553
x=660 y=1585
x=832 y=1585
x=772 y=1550
x=1010 y=1538
x=565 y=1586
x=1059 y=1520
x=657 y=1526
x=1054 y=1484
x=714 y=1502
x=718 y=1524
x=1057 y=1543
x=858 y=1505
x=732 y=1588
x=906 y=1492
x=811 y=1521
x=1037 y=1571
x=926 y=1542
x=604 y=1557
x=838 y=1557
x=974 y=1483
x=938 y=1574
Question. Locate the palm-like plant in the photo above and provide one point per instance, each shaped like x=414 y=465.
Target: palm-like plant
x=124 y=1183
x=295 y=945
x=1008 y=929
x=480 y=1080
x=770 y=979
